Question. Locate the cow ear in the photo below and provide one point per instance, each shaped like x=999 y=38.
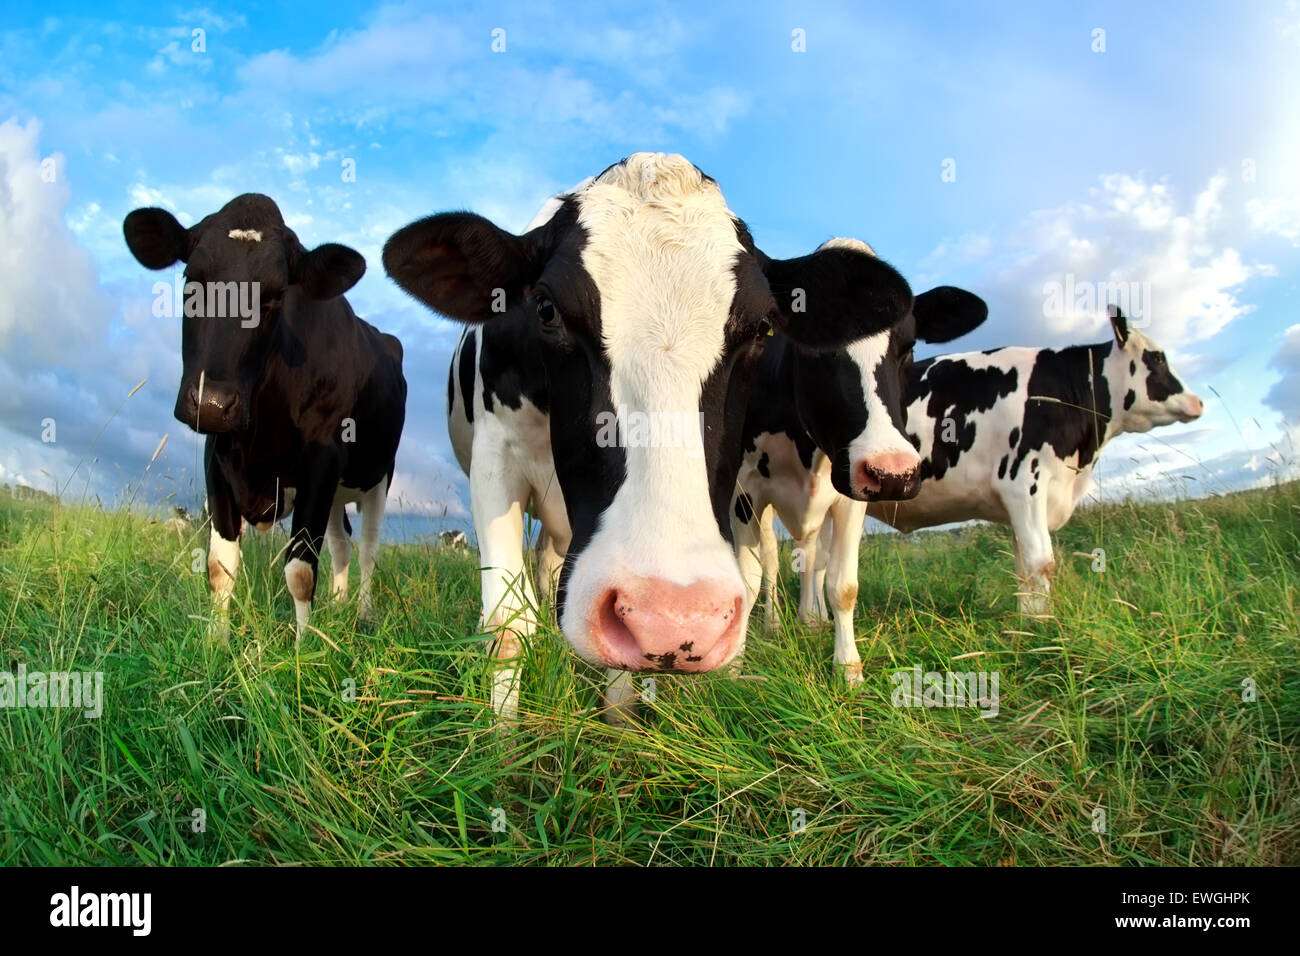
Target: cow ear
x=328 y=270
x=155 y=238
x=460 y=264
x=946 y=313
x=835 y=296
x=1118 y=325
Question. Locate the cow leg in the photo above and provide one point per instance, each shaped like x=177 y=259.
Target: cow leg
x=745 y=536
x=552 y=542
x=810 y=609
x=223 y=547
x=498 y=495
x=1035 y=563
x=770 y=555
x=621 y=697
x=311 y=514
x=819 y=572
x=372 y=507
x=847 y=517
x=336 y=536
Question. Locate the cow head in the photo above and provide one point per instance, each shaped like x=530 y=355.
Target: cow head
x=851 y=400
x=645 y=296
x=242 y=265
x=1143 y=382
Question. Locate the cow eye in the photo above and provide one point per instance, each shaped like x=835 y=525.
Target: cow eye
x=548 y=313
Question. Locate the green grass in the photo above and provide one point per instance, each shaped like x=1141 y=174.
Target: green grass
x=1130 y=699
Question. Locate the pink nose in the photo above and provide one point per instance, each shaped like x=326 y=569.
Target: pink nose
x=888 y=476
x=648 y=624
x=1195 y=406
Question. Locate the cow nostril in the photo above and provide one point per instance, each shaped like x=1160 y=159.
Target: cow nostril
x=870 y=480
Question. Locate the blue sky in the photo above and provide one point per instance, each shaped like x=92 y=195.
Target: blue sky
x=1169 y=158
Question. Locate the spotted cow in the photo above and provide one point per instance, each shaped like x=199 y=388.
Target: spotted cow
x=1011 y=435
x=639 y=296
x=823 y=436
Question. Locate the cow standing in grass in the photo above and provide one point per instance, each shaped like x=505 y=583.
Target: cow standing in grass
x=1011 y=435
x=637 y=296
x=302 y=402
x=823 y=436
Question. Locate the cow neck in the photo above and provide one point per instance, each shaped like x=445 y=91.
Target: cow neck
x=1112 y=362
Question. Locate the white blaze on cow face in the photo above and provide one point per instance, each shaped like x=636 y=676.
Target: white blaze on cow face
x=657 y=585
x=881 y=449
x=880 y=452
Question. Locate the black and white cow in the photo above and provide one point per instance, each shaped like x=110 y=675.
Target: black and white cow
x=637 y=297
x=1011 y=435
x=302 y=401
x=823 y=436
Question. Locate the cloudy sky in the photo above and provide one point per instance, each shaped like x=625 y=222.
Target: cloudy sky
x=999 y=148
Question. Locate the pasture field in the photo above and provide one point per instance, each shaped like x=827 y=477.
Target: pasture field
x=1129 y=700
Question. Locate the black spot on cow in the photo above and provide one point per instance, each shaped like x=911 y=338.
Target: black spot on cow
x=1015 y=436
x=1160 y=379
x=1132 y=368
x=763 y=466
x=1068 y=404
x=1033 y=489
x=466 y=372
x=664 y=662
x=1129 y=399
x=953 y=389
x=744 y=508
x=451 y=388
x=1002 y=467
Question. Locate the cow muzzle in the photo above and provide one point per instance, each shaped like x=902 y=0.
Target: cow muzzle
x=888 y=476
x=644 y=624
x=217 y=409
x=1190 y=409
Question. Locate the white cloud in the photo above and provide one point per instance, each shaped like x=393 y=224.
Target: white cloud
x=50 y=301
x=1277 y=215
x=1284 y=396
x=1127 y=231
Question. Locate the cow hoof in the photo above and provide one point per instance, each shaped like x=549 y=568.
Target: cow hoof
x=852 y=673
x=505 y=698
x=1035 y=605
x=219 y=633
x=621 y=699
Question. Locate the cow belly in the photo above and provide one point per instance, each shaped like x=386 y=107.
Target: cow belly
x=942 y=502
